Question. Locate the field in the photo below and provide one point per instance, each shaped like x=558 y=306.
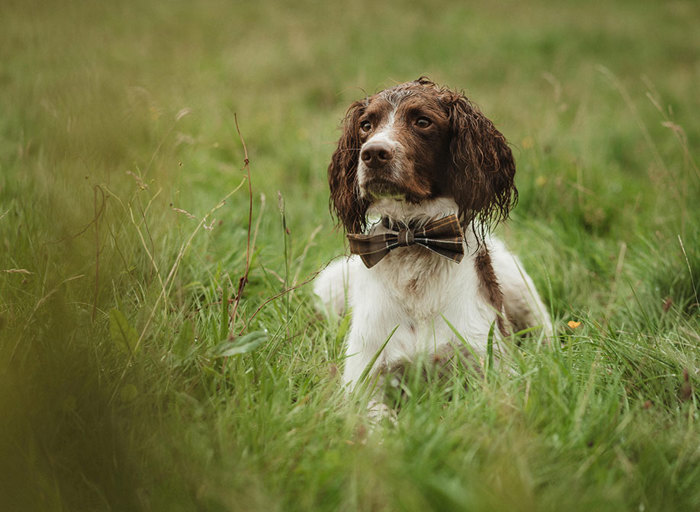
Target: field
x=135 y=376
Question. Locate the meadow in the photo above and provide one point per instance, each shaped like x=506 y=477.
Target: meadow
x=160 y=347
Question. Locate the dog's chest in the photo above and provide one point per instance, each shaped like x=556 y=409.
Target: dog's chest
x=422 y=282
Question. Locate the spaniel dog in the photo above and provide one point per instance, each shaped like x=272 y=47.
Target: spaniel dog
x=419 y=177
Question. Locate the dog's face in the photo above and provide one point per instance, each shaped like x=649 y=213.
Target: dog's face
x=417 y=141
x=404 y=152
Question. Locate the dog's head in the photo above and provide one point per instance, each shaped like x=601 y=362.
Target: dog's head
x=417 y=141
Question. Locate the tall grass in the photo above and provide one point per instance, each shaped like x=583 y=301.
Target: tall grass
x=159 y=348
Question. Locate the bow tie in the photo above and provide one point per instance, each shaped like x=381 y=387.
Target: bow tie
x=442 y=236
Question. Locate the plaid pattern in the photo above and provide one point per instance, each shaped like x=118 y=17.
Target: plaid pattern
x=442 y=236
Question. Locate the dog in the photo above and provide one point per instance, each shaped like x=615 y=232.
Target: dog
x=418 y=179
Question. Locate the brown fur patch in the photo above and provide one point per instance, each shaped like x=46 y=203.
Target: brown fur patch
x=342 y=174
x=489 y=287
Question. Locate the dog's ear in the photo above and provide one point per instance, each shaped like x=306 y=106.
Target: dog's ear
x=482 y=170
x=345 y=200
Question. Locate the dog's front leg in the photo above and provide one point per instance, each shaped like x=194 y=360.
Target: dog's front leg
x=363 y=361
x=359 y=353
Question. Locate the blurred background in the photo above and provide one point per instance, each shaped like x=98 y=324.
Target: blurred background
x=118 y=141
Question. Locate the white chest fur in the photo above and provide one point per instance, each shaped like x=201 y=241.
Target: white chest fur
x=415 y=293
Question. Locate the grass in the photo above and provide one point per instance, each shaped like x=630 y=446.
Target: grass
x=125 y=383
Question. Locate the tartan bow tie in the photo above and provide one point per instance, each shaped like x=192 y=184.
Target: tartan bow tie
x=442 y=236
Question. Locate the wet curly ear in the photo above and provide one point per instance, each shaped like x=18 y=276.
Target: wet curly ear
x=345 y=199
x=482 y=170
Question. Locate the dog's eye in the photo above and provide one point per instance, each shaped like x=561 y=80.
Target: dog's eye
x=365 y=126
x=423 y=122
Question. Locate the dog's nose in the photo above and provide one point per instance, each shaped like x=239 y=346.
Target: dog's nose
x=376 y=154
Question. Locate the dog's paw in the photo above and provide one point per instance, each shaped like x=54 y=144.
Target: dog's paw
x=378 y=412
